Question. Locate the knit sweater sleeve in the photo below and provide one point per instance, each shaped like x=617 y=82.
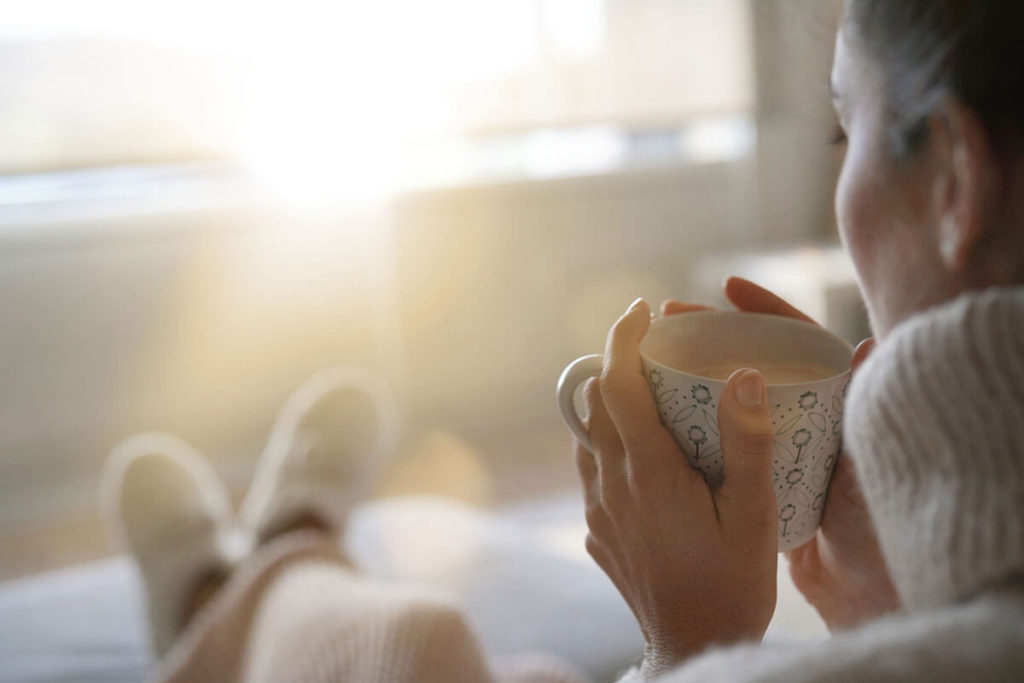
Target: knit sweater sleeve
x=631 y=676
x=979 y=641
x=933 y=423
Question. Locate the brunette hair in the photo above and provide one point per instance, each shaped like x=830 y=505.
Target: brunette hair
x=931 y=50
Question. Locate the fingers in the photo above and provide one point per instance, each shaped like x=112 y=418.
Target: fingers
x=844 y=485
x=599 y=522
x=601 y=556
x=627 y=395
x=623 y=387
x=861 y=353
x=746 y=296
x=603 y=435
x=622 y=350
x=747 y=443
x=844 y=481
x=605 y=559
x=586 y=465
x=608 y=450
x=805 y=569
x=672 y=307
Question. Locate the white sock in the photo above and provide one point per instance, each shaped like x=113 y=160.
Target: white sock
x=329 y=443
x=173 y=514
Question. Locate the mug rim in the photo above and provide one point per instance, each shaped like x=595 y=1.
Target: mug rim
x=774 y=319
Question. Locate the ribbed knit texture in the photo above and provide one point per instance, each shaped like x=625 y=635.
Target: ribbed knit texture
x=299 y=614
x=981 y=641
x=935 y=425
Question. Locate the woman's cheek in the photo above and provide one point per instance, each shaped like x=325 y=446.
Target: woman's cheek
x=857 y=206
x=852 y=211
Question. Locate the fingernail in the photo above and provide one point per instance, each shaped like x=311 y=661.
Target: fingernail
x=638 y=304
x=750 y=389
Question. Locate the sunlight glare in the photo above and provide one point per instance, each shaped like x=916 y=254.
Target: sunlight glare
x=339 y=102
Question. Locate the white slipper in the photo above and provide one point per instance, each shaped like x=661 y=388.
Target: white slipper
x=329 y=443
x=169 y=508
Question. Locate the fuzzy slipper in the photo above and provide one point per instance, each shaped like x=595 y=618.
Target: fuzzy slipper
x=329 y=443
x=167 y=506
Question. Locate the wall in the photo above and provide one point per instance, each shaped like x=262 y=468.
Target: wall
x=796 y=167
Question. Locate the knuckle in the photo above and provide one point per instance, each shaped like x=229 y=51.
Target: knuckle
x=610 y=382
x=592 y=392
x=617 y=382
x=618 y=328
x=602 y=448
x=585 y=465
x=596 y=517
x=603 y=556
x=583 y=455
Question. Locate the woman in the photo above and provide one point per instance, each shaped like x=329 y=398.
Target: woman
x=930 y=204
x=919 y=565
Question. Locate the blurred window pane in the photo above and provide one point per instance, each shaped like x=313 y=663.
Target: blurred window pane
x=128 y=81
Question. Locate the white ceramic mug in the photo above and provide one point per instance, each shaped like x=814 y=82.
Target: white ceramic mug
x=687 y=358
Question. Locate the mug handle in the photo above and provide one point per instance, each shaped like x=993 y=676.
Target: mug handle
x=579 y=371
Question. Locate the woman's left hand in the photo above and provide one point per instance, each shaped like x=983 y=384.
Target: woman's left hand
x=697 y=567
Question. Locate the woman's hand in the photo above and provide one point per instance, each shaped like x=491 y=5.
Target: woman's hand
x=840 y=571
x=697 y=567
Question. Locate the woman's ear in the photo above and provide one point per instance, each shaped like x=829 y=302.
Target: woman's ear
x=966 y=185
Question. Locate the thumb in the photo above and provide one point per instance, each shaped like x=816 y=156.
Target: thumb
x=747 y=443
x=861 y=353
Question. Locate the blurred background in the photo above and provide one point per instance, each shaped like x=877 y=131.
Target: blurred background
x=204 y=201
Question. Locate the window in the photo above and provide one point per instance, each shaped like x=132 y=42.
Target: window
x=389 y=87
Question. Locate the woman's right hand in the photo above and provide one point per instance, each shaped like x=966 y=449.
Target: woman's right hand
x=840 y=571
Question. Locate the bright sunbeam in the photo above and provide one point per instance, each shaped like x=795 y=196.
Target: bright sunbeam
x=346 y=103
x=337 y=97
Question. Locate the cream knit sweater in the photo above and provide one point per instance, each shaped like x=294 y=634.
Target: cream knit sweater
x=935 y=425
